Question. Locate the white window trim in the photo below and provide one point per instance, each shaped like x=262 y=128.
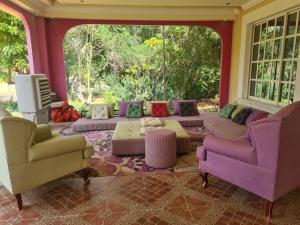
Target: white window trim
x=271 y=9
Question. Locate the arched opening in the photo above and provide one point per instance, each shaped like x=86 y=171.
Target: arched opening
x=152 y=62
x=14 y=55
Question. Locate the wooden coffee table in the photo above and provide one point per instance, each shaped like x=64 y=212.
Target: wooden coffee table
x=128 y=139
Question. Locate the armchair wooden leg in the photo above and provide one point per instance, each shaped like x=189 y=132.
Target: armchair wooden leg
x=268 y=209
x=85 y=173
x=205 y=179
x=19 y=201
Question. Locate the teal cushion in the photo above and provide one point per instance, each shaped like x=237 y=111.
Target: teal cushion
x=242 y=115
x=134 y=111
x=227 y=110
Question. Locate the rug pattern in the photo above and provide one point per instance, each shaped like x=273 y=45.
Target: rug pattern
x=105 y=164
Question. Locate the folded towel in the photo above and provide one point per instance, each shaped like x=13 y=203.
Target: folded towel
x=151 y=122
x=144 y=130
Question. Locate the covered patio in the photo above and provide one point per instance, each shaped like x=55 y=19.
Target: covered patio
x=230 y=167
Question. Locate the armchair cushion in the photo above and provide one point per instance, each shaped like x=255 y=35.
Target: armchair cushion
x=43 y=132
x=237 y=149
x=57 y=145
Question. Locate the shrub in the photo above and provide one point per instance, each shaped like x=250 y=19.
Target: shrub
x=9 y=106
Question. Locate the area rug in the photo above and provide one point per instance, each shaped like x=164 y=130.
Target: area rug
x=105 y=164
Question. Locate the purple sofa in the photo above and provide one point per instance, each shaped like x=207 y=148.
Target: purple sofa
x=265 y=161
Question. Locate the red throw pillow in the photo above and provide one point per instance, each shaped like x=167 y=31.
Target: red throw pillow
x=159 y=110
x=261 y=116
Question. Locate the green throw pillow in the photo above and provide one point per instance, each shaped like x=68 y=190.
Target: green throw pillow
x=134 y=111
x=237 y=109
x=227 y=110
x=187 y=109
x=242 y=115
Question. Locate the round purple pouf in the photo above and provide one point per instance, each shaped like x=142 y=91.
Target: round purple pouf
x=160 y=149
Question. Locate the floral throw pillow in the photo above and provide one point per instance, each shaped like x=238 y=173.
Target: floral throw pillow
x=100 y=112
x=187 y=109
x=134 y=111
x=227 y=110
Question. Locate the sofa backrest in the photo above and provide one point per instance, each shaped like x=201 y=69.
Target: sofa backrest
x=265 y=136
x=16 y=136
x=288 y=168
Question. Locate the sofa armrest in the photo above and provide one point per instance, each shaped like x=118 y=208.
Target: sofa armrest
x=265 y=136
x=42 y=133
x=55 y=146
x=236 y=149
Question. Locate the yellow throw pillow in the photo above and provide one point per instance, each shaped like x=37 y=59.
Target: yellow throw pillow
x=238 y=108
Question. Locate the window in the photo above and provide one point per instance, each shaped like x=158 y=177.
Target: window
x=274 y=58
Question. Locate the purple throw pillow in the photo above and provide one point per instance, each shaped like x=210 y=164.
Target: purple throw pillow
x=123 y=106
x=176 y=106
x=255 y=113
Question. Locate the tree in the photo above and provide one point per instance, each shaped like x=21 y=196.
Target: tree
x=13 y=48
x=127 y=62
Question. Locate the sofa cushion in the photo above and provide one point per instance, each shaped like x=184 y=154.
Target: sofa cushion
x=84 y=124
x=123 y=106
x=134 y=111
x=4 y=112
x=237 y=109
x=227 y=110
x=148 y=105
x=43 y=132
x=242 y=115
x=255 y=114
x=176 y=106
x=55 y=146
x=110 y=108
x=239 y=149
x=187 y=109
x=222 y=127
x=159 y=110
x=100 y=112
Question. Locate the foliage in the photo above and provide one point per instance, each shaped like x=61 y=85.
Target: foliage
x=10 y=106
x=13 y=48
x=139 y=62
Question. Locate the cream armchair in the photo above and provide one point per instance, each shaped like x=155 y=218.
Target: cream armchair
x=31 y=155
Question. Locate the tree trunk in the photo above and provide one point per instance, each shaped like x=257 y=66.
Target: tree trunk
x=9 y=75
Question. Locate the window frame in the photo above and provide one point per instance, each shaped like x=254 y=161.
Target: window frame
x=280 y=59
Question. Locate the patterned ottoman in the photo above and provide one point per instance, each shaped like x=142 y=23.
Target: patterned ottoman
x=129 y=140
x=160 y=149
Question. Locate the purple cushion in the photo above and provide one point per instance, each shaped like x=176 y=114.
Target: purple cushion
x=255 y=113
x=176 y=106
x=123 y=106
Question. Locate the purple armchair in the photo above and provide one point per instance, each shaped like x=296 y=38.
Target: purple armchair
x=266 y=161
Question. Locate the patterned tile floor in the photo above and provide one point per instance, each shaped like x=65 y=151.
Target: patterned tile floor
x=145 y=199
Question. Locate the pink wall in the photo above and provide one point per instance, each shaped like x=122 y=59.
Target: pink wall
x=45 y=39
x=35 y=37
